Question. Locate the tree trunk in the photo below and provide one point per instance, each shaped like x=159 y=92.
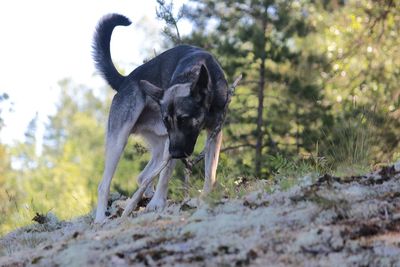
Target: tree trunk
x=259 y=131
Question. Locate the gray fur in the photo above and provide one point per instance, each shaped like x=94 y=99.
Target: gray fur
x=168 y=101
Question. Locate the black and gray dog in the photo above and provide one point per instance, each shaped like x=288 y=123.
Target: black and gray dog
x=167 y=101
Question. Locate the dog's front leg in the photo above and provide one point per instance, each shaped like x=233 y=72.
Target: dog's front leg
x=213 y=146
x=159 y=168
x=159 y=199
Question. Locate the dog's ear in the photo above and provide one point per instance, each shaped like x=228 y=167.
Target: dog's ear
x=200 y=84
x=156 y=93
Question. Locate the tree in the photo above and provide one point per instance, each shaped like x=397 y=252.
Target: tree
x=306 y=79
x=359 y=41
x=165 y=12
x=6 y=192
x=262 y=39
x=64 y=178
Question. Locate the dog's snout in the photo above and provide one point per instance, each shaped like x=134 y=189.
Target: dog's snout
x=179 y=150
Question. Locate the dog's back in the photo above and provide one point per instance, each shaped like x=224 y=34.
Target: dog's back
x=164 y=70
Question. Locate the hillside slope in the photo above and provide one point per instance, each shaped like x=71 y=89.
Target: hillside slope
x=333 y=222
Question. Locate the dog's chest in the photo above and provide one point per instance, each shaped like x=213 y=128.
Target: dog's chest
x=150 y=121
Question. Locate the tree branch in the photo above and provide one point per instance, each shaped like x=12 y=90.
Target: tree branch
x=165 y=13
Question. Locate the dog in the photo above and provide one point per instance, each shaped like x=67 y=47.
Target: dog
x=168 y=101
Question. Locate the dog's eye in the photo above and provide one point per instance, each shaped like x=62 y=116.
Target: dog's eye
x=165 y=119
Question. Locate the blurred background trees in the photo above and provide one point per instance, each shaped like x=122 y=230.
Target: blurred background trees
x=321 y=86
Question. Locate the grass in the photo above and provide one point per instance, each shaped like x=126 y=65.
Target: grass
x=301 y=170
x=226 y=187
x=349 y=152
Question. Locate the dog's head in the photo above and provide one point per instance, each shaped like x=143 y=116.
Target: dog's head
x=184 y=107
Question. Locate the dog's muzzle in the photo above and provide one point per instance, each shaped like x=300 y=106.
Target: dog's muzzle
x=179 y=155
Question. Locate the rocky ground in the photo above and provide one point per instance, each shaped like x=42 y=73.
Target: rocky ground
x=335 y=221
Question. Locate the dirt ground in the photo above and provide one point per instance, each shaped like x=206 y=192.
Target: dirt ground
x=335 y=221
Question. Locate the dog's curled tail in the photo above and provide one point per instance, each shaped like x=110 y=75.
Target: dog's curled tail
x=101 y=48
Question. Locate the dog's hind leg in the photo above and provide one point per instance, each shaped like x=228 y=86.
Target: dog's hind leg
x=121 y=122
x=114 y=148
x=159 y=199
x=213 y=146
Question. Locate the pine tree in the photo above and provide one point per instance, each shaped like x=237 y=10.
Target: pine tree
x=278 y=103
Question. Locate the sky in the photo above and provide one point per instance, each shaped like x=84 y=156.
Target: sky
x=45 y=41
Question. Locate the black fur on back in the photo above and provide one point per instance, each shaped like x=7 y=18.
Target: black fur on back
x=101 y=49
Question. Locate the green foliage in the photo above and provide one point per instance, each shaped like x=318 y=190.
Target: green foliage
x=289 y=172
x=165 y=12
x=322 y=62
x=351 y=144
x=3 y=97
x=241 y=35
x=65 y=177
x=7 y=188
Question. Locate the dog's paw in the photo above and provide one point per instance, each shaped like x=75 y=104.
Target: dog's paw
x=156 y=204
x=100 y=218
x=101 y=221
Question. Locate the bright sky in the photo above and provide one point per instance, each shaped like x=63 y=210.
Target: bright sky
x=44 y=41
